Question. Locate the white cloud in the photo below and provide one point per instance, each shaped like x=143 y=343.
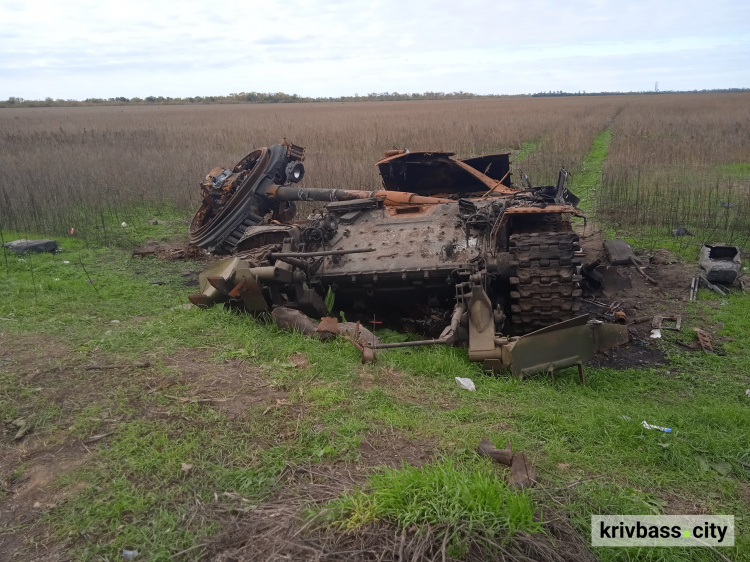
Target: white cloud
x=81 y=49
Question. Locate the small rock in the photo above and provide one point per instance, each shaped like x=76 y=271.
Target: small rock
x=37 y=505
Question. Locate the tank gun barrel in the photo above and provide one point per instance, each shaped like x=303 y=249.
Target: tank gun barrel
x=290 y=193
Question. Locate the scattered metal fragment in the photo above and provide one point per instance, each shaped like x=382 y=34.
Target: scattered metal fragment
x=522 y=471
x=704 y=340
x=659 y=320
x=296 y=321
x=487 y=449
x=711 y=286
x=327 y=329
x=694 y=285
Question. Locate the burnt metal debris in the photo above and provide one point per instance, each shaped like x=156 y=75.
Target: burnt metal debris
x=447 y=240
x=721 y=263
x=40 y=246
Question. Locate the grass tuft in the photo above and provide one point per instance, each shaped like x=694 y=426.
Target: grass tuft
x=461 y=495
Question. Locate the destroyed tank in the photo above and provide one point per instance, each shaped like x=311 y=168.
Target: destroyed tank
x=446 y=241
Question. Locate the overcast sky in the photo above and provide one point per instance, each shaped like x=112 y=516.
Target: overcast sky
x=79 y=48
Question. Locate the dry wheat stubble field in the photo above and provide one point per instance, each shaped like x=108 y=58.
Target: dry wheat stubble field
x=672 y=161
x=225 y=395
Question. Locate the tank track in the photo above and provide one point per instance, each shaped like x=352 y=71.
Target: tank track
x=221 y=233
x=227 y=244
x=544 y=289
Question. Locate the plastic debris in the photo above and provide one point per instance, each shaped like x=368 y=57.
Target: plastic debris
x=129 y=554
x=656 y=333
x=649 y=426
x=466 y=383
x=747 y=392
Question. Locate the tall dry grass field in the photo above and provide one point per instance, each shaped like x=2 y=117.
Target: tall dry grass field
x=91 y=167
x=680 y=161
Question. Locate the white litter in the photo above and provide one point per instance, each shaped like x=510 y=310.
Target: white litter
x=656 y=333
x=124 y=224
x=649 y=426
x=468 y=384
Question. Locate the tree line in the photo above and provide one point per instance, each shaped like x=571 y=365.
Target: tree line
x=281 y=97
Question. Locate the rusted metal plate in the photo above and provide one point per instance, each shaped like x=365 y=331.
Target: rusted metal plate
x=704 y=340
x=250 y=291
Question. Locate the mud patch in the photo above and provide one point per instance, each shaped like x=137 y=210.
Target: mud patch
x=231 y=386
x=400 y=387
x=30 y=490
x=392 y=449
x=635 y=355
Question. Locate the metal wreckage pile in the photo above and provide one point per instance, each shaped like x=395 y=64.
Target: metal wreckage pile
x=449 y=244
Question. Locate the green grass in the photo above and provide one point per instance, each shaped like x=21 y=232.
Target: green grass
x=132 y=494
x=462 y=496
x=527 y=148
x=736 y=170
x=589 y=177
x=102 y=226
